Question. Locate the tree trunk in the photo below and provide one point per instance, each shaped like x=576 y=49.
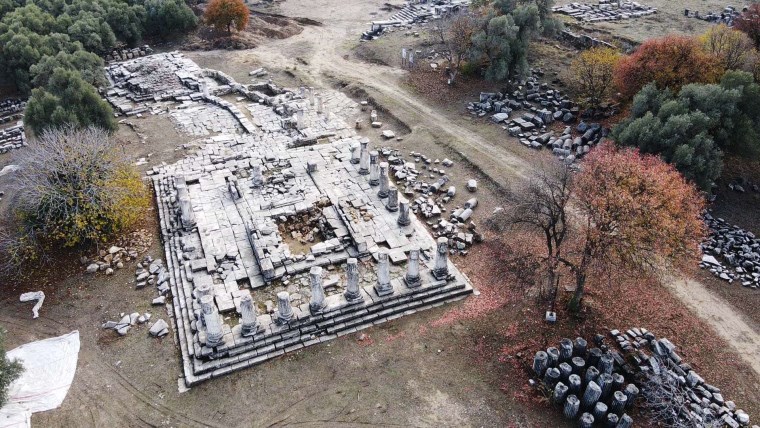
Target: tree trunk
x=575 y=303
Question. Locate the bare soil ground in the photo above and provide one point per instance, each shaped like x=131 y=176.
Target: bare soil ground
x=461 y=365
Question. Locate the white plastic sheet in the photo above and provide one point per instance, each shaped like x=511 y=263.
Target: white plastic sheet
x=49 y=367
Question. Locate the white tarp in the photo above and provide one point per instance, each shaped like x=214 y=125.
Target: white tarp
x=49 y=367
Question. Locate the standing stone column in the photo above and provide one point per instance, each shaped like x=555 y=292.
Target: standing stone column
x=403 y=213
x=586 y=420
x=559 y=394
x=374 y=168
x=553 y=354
x=441 y=269
x=565 y=349
x=619 y=402
x=574 y=383
x=605 y=383
x=248 y=321
x=551 y=377
x=383 y=286
x=320 y=104
x=383 y=192
x=571 y=407
x=187 y=216
x=625 y=421
x=600 y=411
x=284 y=310
x=591 y=396
x=317 y=302
x=364 y=158
x=299 y=120
x=352 y=294
x=257 y=180
x=412 y=277
x=631 y=391
x=212 y=320
x=540 y=363
x=392 y=204
x=355 y=153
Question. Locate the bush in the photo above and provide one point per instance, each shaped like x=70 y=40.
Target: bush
x=9 y=370
x=76 y=188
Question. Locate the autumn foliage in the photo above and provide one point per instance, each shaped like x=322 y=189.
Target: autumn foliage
x=749 y=23
x=731 y=47
x=637 y=211
x=670 y=62
x=224 y=14
x=593 y=74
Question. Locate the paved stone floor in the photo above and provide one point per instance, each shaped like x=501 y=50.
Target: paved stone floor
x=274 y=207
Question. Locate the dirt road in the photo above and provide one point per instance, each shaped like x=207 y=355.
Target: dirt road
x=742 y=334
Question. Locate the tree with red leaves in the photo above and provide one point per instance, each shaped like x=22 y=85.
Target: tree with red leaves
x=226 y=13
x=635 y=211
x=671 y=62
x=749 y=23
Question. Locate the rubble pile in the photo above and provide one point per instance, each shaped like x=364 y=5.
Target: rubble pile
x=605 y=10
x=731 y=253
x=415 y=12
x=656 y=365
x=126 y=322
x=428 y=199
x=125 y=250
x=727 y=16
x=125 y=54
x=12 y=132
x=545 y=104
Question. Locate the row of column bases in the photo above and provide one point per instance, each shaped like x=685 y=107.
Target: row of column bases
x=249 y=315
x=378 y=176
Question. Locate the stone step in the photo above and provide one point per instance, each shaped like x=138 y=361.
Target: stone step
x=222 y=366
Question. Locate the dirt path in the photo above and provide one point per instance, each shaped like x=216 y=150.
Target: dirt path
x=724 y=318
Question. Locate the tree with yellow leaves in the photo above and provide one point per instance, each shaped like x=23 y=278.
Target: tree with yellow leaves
x=593 y=74
x=733 y=48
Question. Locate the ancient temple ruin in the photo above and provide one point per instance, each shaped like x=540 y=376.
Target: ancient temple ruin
x=283 y=230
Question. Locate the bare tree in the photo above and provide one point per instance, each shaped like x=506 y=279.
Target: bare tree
x=540 y=205
x=75 y=186
x=455 y=32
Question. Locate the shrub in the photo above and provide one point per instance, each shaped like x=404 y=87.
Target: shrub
x=670 y=62
x=76 y=188
x=9 y=370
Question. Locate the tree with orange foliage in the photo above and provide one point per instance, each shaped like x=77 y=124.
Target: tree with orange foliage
x=669 y=62
x=635 y=210
x=749 y=23
x=226 y=13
